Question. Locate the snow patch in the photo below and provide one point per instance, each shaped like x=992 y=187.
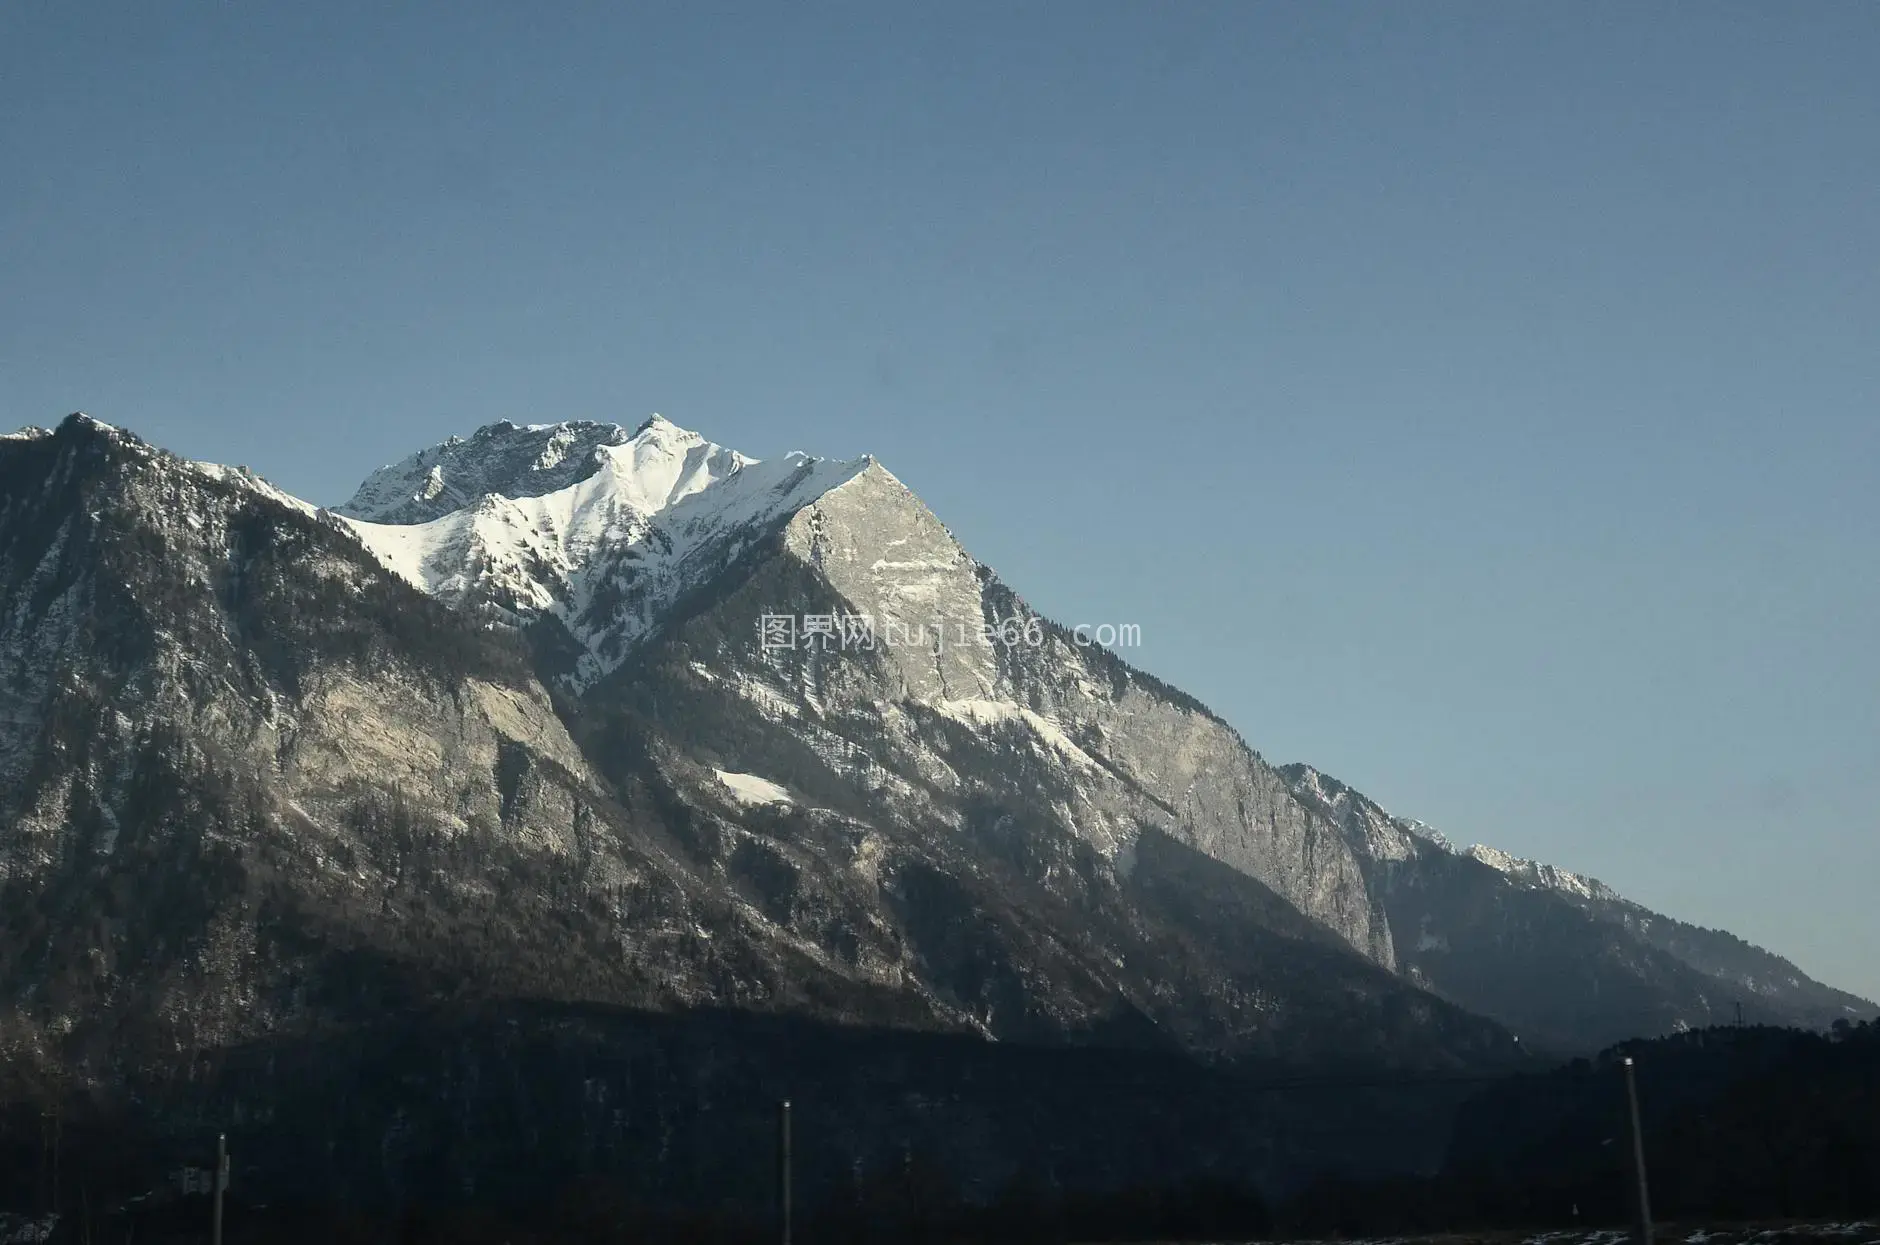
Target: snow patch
x=749 y=789
x=980 y=713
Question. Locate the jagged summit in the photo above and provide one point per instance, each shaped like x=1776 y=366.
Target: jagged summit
x=503 y=458
x=77 y=423
x=660 y=424
x=657 y=463
x=585 y=524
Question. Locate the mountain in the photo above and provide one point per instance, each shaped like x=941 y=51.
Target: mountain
x=572 y=716
x=1561 y=958
x=675 y=535
x=260 y=795
x=197 y=659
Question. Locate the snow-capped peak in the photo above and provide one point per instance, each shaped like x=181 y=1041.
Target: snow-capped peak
x=502 y=458
x=659 y=424
x=587 y=523
x=656 y=464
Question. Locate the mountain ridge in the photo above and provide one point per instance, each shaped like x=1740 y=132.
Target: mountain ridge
x=1717 y=972
x=1581 y=889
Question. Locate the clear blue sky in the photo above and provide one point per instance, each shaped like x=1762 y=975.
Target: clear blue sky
x=1477 y=401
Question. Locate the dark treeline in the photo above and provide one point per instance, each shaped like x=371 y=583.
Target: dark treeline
x=545 y=1122
x=1741 y=1124
x=920 y=1208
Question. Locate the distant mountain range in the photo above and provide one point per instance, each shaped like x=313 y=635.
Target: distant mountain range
x=579 y=715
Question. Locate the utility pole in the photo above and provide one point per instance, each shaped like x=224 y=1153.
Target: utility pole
x=1638 y=1157
x=221 y=1182
x=783 y=1167
x=1739 y=1013
x=46 y=1187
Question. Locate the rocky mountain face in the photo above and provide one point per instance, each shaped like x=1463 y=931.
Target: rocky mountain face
x=1561 y=958
x=571 y=715
x=236 y=742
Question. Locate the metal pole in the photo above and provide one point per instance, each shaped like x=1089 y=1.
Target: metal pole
x=1638 y=1157
x=783 y=1167
x=221 y=1181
